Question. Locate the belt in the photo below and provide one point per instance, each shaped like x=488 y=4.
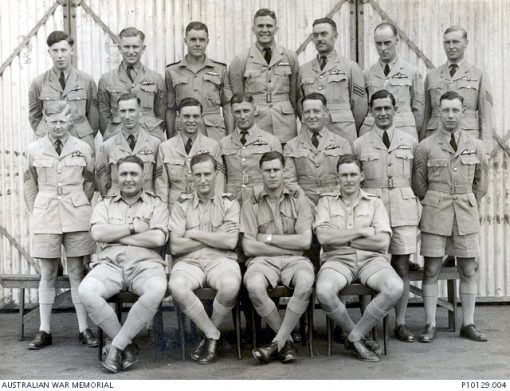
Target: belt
x=318 y=182
x=271 y=98
x=59 y=189
x=450 y=189
x=245 y=179
x=387 y=182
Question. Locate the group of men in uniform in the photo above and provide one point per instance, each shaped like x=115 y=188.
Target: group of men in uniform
x=281 y=212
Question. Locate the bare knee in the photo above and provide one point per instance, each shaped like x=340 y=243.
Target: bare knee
x=179 y=287
x=431 y=270
x=89 y=292
x=154 y=290
x=393 y=288
x=327 y=293
x=303 y=285
x=228 y=286
x=256 y=286
x=467 y=269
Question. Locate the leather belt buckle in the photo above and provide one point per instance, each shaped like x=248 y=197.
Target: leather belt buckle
x=245 y=179
x=268 y=98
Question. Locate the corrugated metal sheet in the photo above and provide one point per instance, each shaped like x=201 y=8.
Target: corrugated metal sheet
x=489 y=49
x=229 y=23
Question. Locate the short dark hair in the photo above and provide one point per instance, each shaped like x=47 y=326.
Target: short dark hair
x=329 y=21
x=240 y=97
x=195 y=25
x=264 y=12
x=346 y=159
x=382 y=94
x=130 y=159
x=271 y=155
x=387 y=24
x=132 y=32
x=454 y=28
x=451 y=95
x=203 y=157
x=129 y=96
x=57 y=36
x=189 y=102
x=316 y=96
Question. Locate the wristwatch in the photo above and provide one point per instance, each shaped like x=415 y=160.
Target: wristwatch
x=269 y=238
x=132 y=229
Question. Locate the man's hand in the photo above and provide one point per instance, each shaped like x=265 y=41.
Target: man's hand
x=229 y=227
x=262 y=238
x=140 y=225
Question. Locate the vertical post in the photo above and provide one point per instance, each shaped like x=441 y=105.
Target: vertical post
x=353 y=29
x=360 y=41
x=69 y=14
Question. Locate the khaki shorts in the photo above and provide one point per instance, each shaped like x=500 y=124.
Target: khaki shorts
x=207 y=271
x=280 y=268
x=354 y=269
x=456 y=245
x=403 y=240
x=132 y=277
x=77 y=244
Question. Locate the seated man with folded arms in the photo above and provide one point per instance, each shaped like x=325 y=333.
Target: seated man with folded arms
x=204 y=229
x=131 y=227
x=277 y=228
x=354 y=231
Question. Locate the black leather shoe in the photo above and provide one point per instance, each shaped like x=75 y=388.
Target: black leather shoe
x=428 y=334
x=373 y=346
x=88 y=338
x=296 y=336
x=266 y=354
x=360 y=350
x=195 y=353
x=41 y=339
x=287 y=353
x=113 y=360
x=403 y=333
x=129 y=358
x=470 y=332
x=209 y=352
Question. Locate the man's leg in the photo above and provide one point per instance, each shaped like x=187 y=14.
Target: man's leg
x=401 y=265
x=257 y=284
x=228 y=288
x=75 y=271
x=431 y=270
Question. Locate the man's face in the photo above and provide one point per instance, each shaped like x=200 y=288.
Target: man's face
x=131 y=49
x=324 y=38
x=383 y=112
x=244 y=115
x=130 y=179
x=349 y=177
x=450 y=113
x=315 y=114
x=454 y=45
x=386 y=44
x=196 y=41
x=59 y=124
x=272 y=174
x=129 y=113
x=264 y=28
x=190 y=117
x=61 y=53
x=204 y=178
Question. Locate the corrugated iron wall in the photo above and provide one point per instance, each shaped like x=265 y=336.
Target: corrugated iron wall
x=229 y=22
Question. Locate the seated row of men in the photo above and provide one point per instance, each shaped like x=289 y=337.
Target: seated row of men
x=352 y=226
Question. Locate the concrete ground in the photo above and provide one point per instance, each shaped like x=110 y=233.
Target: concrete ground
x=448 y=357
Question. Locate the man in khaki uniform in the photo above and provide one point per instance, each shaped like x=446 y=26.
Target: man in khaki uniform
x=131 y=76
x=204 y=231
x=58 y=186
x=277 y=228
x=130 y=227
x=243 y=148
x=64 y=82
x=204 y=79
x=173 y=172
x=340 y=80
x=386 y=155
x=464 y=78
x=450 y=177
x=132 y=139
x=311 y=157
x=268 y=72
x=404 y=81
x=354 y=230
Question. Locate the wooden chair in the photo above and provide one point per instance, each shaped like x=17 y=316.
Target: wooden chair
x=205 y=294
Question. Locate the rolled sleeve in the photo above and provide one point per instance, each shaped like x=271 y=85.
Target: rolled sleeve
x=160 y=217
x=233 y=213
x=305 y=218
x=177 y=222
x=249 y=225
x=322 y=214
x=99 y=214
x=380 y=220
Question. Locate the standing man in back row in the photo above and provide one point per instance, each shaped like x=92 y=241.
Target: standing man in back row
x=268 y=72
x=467 y=80
x=338 y=79
x=197 y=76
x=404 y=81
x=131 y=76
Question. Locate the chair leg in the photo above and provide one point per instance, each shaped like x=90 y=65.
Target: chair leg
x=21 y=313
x=310 y=325
x=100 y=344
x=386 y=331
x=452 y=299
x=180 y=322
x=237 y=328
x=253 y=327
x=302 y=328
x=329 y=325
x=118 y=309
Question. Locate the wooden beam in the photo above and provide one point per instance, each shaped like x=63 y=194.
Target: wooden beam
x=98 y=20
x=20 y=249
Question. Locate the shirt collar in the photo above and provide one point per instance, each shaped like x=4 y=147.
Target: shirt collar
x=381 y=131
x=119 y=197
x=136 y=67
x=126 y=135
x=361 y=195
x=261 y=49
x=448 y=135
x=66 y=73
x=196 y=199
x=331 y=55
x=390 y=64
x=321 y=134
x=249 y=131
x=54 y=140
x=459 y=64
x=263 y=193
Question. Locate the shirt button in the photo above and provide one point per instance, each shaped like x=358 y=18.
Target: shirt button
x=244 y=159
x=390 y=163
x=244 y=148
x=244 y=185
x=59 y=171
x=321 y=77
x=59 y=184
x=189 y=172
x=317 y=165
x=270 y=105
x=320 y=88
x=455 y=169
x=59 y=197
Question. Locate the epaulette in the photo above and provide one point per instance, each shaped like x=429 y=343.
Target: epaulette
x=254 y=199
x=221 y=63
x=151 y=193
x=295 y=193
x=228 y=196
x=329 y=194
x=183 y=197
x=177 y=62
x=372 y=195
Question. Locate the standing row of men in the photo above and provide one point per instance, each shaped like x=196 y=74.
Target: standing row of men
x=259 y=96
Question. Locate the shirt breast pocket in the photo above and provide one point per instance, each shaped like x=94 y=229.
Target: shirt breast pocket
x=435 y=91
x=74 y=168
x=436 y=169
x=404 y=159
x=266 y=223
x=308 y=85
x=176 y=169
x=213 y=82
x=42 y=166
x=469 y=90
x=338 y=78
x=372 y=166
x=147 y=94
x=282 y=70
x=77 y=99
x=469 y=163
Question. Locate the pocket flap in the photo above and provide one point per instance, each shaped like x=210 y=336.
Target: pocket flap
x=431 y=199
x=400 y=82
x=472 y=199
x=437 y=163
x=406 y=154
x=79 y=199
x=407 y=193
x=75 y=162
x=286 y=107
x=341 y=115
x=215 y=79
x=46 y=163
x=308 y=80
x=173 y=162
x=337 y=77
x=469 y=159
x=368 y=157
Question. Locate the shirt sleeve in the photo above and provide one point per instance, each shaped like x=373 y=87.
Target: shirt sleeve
x=177 y=222
x=99 y=214
x=160 y=217
x=305 y=219
x=322 y=214
x=380 y=220
x=249 y=225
